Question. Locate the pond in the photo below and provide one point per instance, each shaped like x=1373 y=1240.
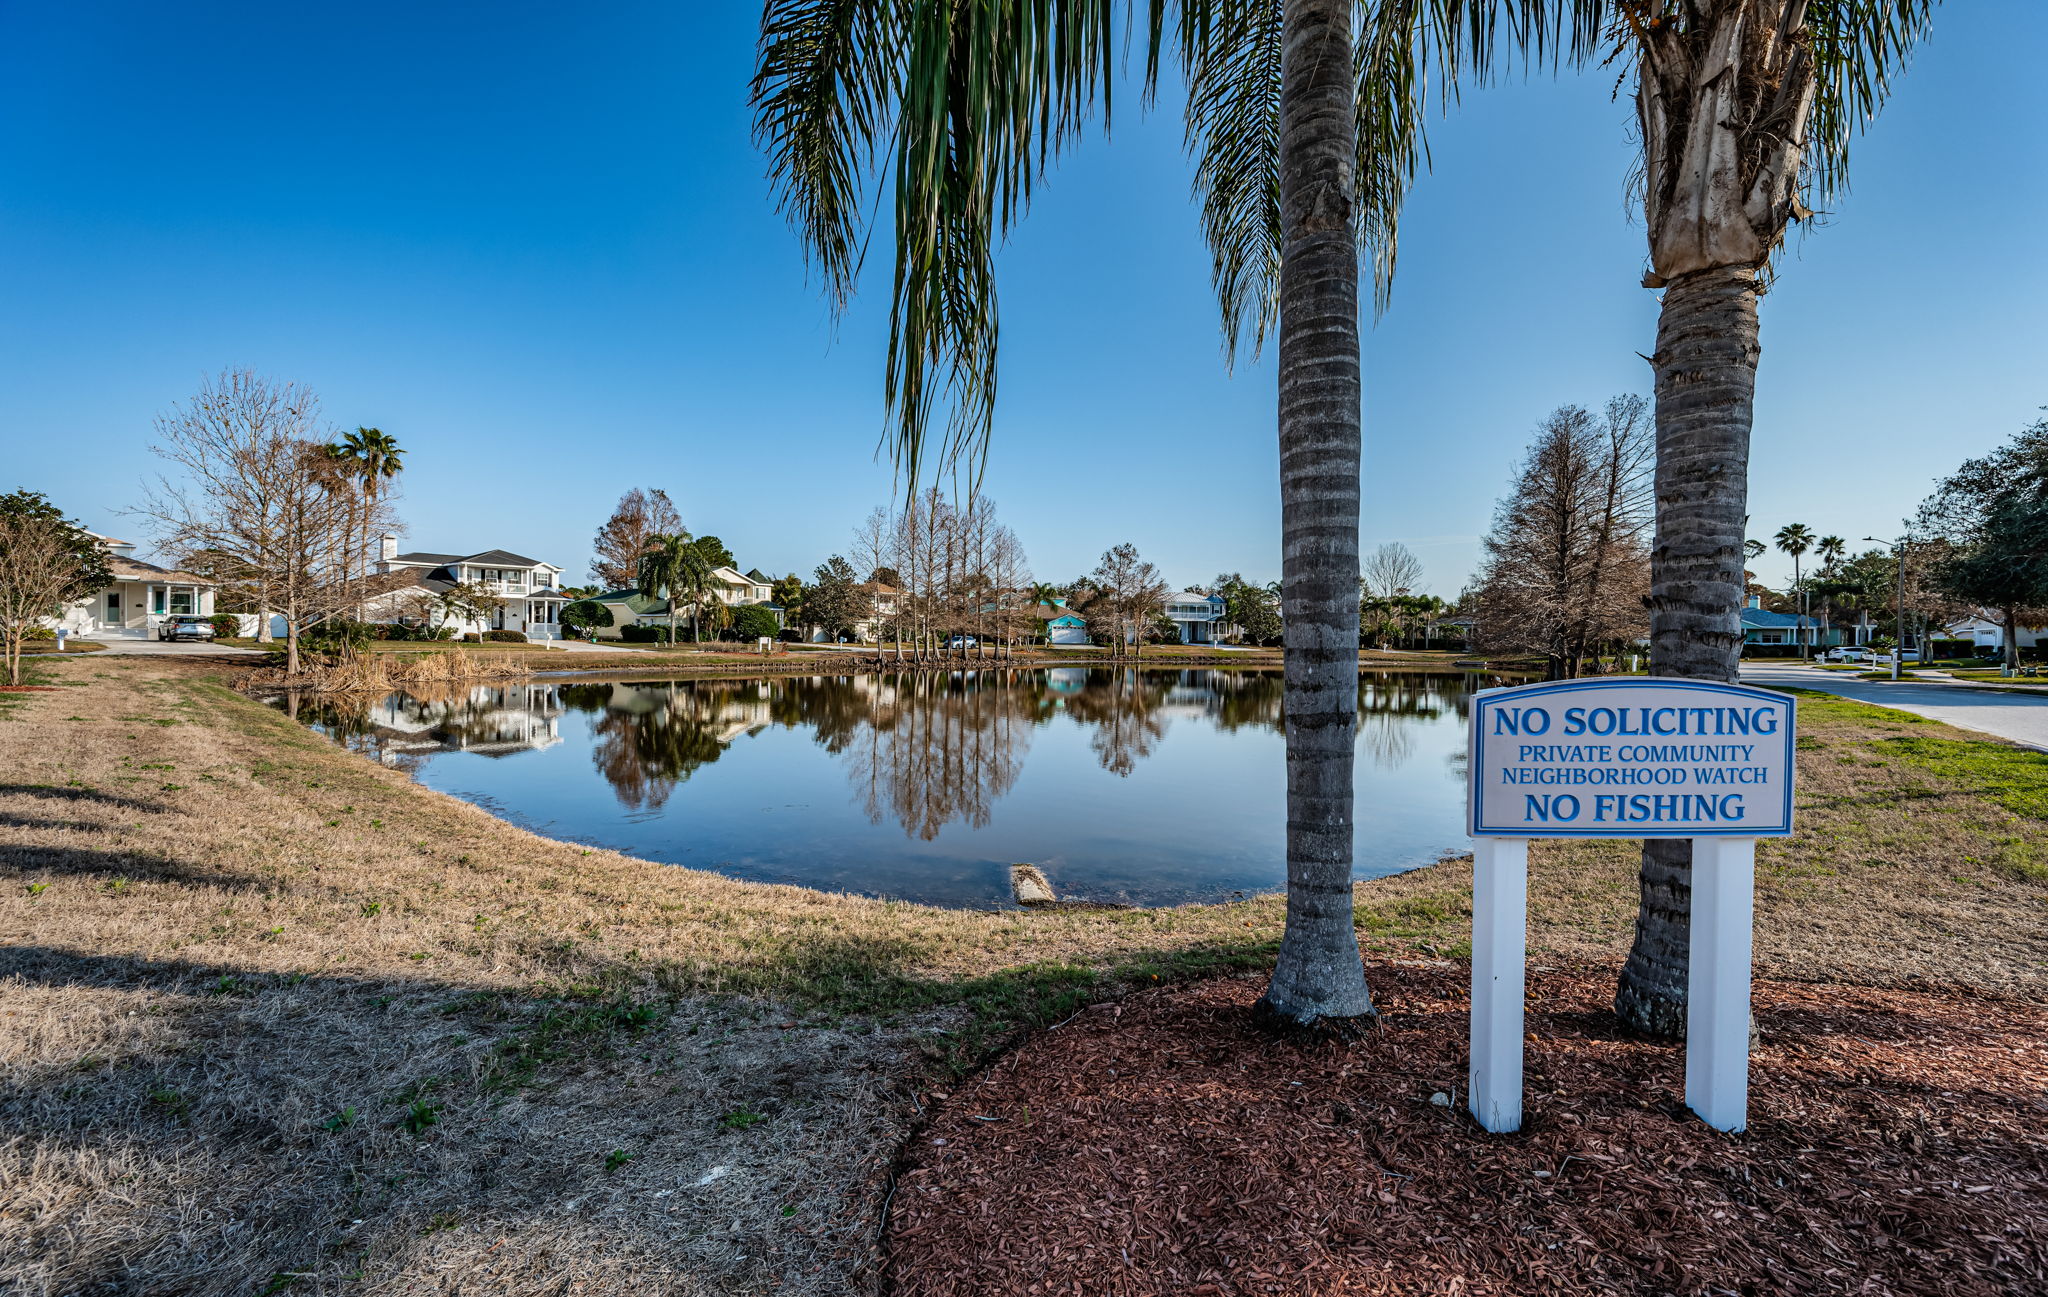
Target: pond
x=1135 y=786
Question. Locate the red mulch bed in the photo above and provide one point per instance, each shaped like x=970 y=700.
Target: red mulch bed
x=1898 y=1143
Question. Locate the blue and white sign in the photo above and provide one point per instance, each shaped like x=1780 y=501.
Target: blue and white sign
x=1628 y=757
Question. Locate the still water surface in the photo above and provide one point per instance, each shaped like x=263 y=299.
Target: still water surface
x=1149 y=787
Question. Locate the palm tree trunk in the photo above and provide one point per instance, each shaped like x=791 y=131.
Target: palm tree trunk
x=1706 y=383
x=1318 y=980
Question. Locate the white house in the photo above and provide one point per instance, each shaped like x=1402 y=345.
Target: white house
x=887 y=601
x=528 y=591
x=141 y=596
x=1198 y=617
x=490 y=720
x=737 y=589
x=1986 y=629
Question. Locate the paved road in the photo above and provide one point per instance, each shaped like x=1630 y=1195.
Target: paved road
x=2020 y=717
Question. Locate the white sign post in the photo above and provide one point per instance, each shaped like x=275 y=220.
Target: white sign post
x=1625 y=757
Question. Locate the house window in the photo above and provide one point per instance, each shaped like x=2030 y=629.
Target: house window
x=156 y=600
x=1770 y=637
x=181 y=601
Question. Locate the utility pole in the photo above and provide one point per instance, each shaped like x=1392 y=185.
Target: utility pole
x=1899 y=614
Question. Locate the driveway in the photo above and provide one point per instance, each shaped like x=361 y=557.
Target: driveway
x=2019 y=717
x=175 y=648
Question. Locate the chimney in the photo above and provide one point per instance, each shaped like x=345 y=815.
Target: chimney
x=1756 y=601
x=387 y=546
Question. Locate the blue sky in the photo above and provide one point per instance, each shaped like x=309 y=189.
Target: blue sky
x=534 y=242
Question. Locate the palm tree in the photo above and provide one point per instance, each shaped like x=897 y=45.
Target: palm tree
x=1304 y=138
x=370 y=458
x=1746 y=109
x=673 y=569
x=1831 y=549
x=1795 y=538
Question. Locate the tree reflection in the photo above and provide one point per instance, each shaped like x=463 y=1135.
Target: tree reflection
x=940 y=748
x=924 y=750
x=1126 y=709
x=647 y=738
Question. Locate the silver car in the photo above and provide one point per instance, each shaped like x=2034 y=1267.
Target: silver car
x=185 y=627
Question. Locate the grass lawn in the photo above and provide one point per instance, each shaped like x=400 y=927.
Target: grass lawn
x=279 y=1017
x=1995 y=676
x=48 y=648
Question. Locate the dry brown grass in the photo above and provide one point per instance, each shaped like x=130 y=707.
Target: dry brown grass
x=235 y=959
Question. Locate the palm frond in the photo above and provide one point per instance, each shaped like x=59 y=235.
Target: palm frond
x=978 y=96
x=822 y=97
x=1231 y=61
x=1859 y=49
x=1392 y=60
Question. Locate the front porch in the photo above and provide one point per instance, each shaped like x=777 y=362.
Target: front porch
x=133 y=609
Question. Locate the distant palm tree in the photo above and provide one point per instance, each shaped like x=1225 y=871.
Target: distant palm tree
x=377 y=455
x=1831 y=549
x=1796 y=538
x=370 y=458
x=672 y=568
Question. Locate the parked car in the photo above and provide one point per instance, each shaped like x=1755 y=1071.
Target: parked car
x=185 y=627
x=962 y=642
x=1847 y=653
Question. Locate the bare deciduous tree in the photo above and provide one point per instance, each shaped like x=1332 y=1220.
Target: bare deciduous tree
x=622 y=541
x=958 y=568
x=1134 y=592
x=253 y=486
x=1567 y=561
x=1390 y=571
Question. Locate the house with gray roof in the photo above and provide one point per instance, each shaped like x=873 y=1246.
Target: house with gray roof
x=138 y=599
x=728 y=586
x=521 y=593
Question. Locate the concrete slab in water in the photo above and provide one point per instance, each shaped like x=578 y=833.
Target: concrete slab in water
x=1030 y=885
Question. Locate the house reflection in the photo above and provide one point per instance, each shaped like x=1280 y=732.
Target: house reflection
x=488 y=720
x=922 y=750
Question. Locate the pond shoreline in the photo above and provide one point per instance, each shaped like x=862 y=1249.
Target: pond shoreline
x=1145 y=787
x=442 y=667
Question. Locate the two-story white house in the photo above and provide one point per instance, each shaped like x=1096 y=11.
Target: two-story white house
x=886 y=601
x=527 y=591
x=1199 y=617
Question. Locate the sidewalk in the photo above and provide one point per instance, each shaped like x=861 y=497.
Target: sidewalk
x=2022 y=718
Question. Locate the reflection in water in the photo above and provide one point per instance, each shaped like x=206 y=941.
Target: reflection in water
x=489 y=720
x=938 y=749
x=919 y=753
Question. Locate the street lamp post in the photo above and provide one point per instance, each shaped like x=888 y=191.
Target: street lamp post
x=1899 y=602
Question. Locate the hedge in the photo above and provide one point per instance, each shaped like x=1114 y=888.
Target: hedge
x=752 y=622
